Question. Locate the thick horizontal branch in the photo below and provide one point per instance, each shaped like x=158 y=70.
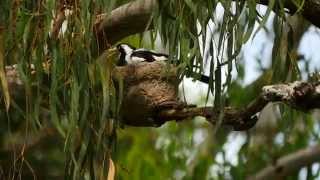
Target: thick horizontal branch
x=299 y=95
x=128 y=19
x=239 y=119
x=289 y=164
x=302 y=96
x=150 y=98
x=135 y=17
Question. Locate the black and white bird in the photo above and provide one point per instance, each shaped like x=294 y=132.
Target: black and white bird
x=131 y=55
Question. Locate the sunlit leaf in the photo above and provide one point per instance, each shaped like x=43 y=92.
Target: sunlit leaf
x=112 y=170
x=4 y=83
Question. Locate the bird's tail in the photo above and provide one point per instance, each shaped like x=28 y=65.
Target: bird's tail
x=204 y=79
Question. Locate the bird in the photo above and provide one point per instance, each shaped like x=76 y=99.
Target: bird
x=132 y=55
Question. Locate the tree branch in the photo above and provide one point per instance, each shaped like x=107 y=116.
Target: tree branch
x=135 y=17
x=310 y=9
x=302 y=96
x=238 y=119
x=299 y=95
x=289 y=164
x=131 y=18
x=150 y=98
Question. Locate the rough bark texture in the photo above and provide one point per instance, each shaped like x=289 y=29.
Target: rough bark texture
x=300 y=95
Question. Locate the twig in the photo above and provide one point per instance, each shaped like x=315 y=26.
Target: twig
x=289 y=164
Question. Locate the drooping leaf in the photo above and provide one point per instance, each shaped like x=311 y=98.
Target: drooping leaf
x=3 y=79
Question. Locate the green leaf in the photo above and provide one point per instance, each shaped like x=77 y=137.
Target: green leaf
x=265 y=17
x=3 y=79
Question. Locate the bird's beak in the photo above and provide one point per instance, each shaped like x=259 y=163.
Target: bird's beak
x=111 y=55
x=112 y=50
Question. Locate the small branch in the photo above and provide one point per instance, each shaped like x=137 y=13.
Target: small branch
x=289 y=164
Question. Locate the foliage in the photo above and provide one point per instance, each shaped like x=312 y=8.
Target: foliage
x=77 y=99
x=83 y=109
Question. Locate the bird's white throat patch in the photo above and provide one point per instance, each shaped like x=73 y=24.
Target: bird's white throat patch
x=127 y=49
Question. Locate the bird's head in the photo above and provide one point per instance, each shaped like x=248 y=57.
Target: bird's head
x=125 y=48
x=125 y=51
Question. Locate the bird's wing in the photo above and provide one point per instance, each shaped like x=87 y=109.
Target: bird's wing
x=152 y=52
x=142 y=56
x=150 y=55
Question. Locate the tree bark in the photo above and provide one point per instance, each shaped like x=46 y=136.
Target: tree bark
x=135 y=17
x=150 y=98
x=289 y=164
x=128 y=19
